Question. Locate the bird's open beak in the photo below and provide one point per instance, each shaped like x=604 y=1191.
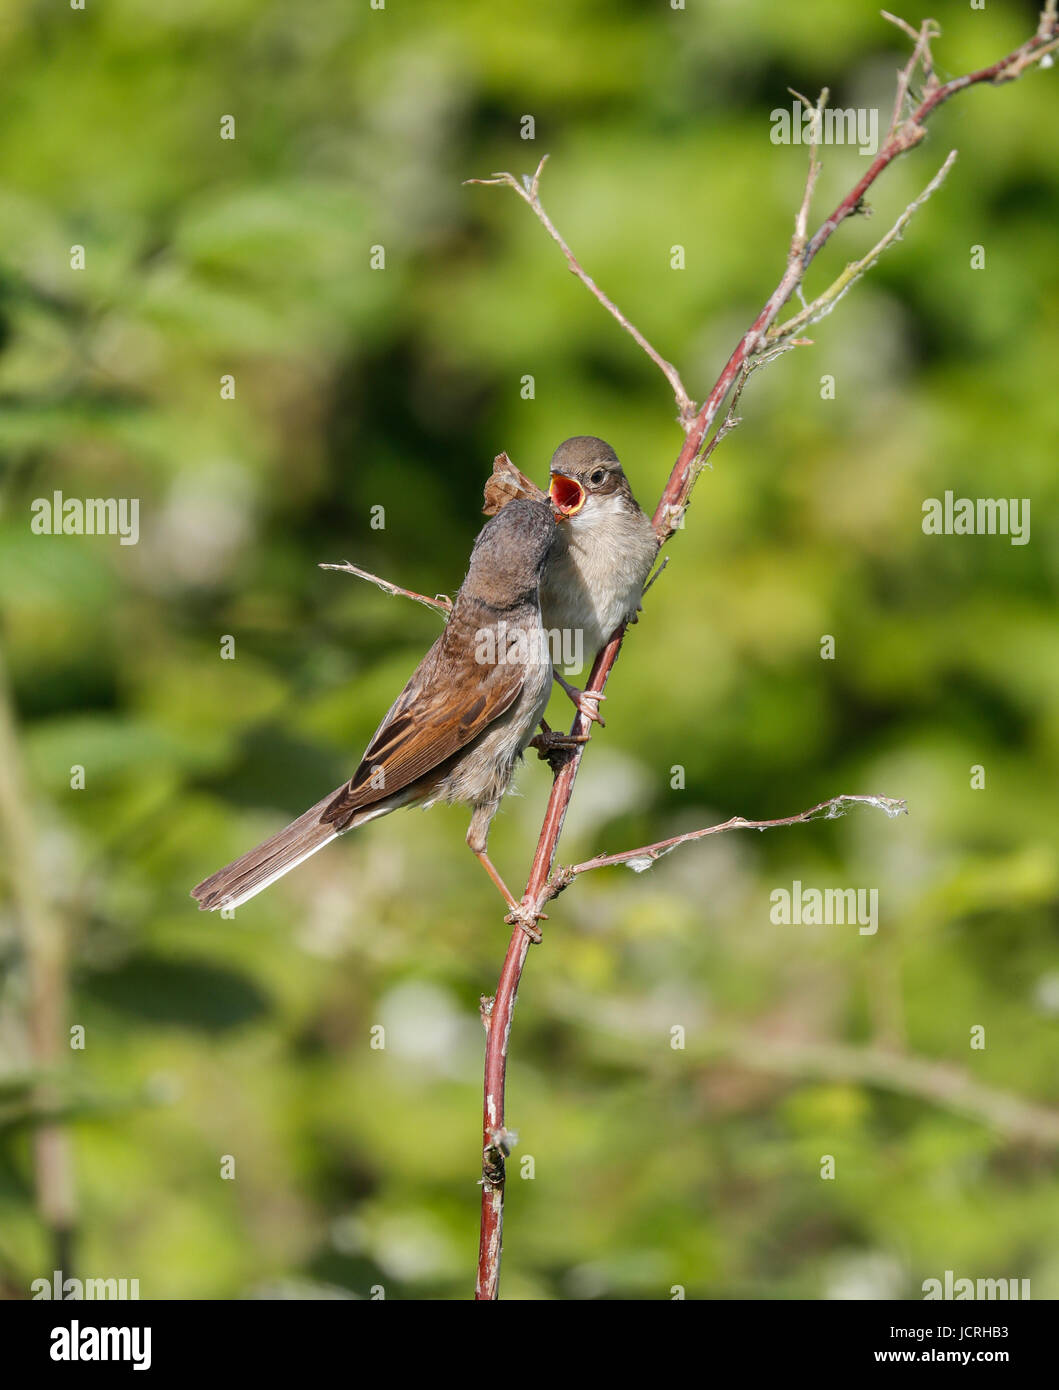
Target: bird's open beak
x=567 y=496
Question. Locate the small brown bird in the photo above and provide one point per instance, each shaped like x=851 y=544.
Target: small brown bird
x=459 y=726
x=601 y=557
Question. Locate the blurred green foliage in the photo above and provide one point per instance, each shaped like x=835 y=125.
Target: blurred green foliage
x=358 y=388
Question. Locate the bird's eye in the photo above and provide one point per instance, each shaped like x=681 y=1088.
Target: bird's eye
x=597 y=477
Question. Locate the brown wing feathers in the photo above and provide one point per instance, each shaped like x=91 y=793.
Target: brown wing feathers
x=409 y=745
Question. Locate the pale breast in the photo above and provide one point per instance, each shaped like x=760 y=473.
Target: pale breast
x=595 y=576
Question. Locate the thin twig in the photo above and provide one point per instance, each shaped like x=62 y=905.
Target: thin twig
x=802 y=219
x=921 y=38
x=529 y=191
x=657 y=574
x=731 y=420
x=825 y=302
x=646 y=855
x=441 y=603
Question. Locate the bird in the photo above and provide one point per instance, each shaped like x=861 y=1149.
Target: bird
x=459 y=726
x=600 y=558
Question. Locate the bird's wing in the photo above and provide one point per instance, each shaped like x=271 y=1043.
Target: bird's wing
x=428 y=722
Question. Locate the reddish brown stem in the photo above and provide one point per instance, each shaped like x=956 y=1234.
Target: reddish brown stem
x=497 y=1013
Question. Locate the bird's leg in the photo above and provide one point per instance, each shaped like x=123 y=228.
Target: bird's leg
x=490 y=868
x=477 y=839
x=586 y=701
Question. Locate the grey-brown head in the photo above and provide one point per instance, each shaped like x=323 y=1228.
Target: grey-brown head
x=509 y=554
x=584 y=469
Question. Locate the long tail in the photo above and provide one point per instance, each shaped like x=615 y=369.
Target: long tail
x=245 y=877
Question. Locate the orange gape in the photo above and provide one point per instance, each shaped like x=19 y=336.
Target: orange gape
x=567 y=494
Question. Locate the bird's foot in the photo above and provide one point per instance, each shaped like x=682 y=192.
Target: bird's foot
x=585 y=701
